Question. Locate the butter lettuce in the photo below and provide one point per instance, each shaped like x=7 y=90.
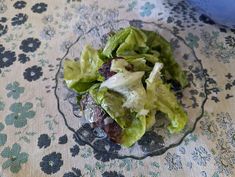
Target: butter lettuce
x=134 y=132
x=128 y=84
x=152 y=58
x=138 y=64
x=158 y=43
x=133 y=126
x=141 y=63
x=151 y=119
x=161 y=98
x=112 y=103
x=115 y=41
x=134 y=43
x=81 y=75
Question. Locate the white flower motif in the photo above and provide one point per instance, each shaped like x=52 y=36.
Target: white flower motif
x=67 y=16
x=110 y=14
x=94 y=6
x=97 y=17
x=82 y=10
x=224 y=120
x=47 y=19
x=79 y=28
x=230 y=135
x=3 y=7
x=95 y=14
x=222 y=146
x=209 y=128
x=224 y=164
x=65 y=46
x=48 y=33
x=203 y=173
x=173 y=161
x=201 y=156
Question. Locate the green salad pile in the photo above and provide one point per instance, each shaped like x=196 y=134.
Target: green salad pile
x=141 y=63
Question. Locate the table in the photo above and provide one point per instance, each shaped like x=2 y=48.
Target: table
x=34 y=35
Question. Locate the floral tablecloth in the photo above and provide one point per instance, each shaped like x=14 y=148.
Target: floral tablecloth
x=34 y=139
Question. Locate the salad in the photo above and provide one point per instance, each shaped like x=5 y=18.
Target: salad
x=122 y=86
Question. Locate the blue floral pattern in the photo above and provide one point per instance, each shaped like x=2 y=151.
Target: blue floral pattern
x=14 y=90
x=30 y=45
x=2 y=106
x=63 y=139
x=3 y=136
x=19 y=19
x=20 y=4
x=3 y=29
x=14 y=158
x=20 y=114
x=74 y=150
x=51 y=163
x=75 y=173
x=3 y=19
x=23 y=58
x=44 y=141
x=230 y=135
x=48 y=33
x=33 y=73
x=173 y=161
x=7 y=58
x=2 y=48
x=192 y=40
x=224 y=165
x=201 y=156
x=39 y=8
x=34 y=38
x=111 y=174
x=147 y=9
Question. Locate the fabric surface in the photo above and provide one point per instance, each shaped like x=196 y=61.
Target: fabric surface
x=34 y=139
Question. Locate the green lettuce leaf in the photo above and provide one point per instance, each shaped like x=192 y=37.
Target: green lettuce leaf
x=126 y=42
x=128 y=97
x=81 y=75
x=161 y=98
x=139 y=64
x=128 y=84
x=133 y=126
x=158 y=43
x=119 y=65
x=72 y=70
x=150 y=119
x=134 y=132
x=114 y=42
x=80 y=87
x=112 y=103
x=142 y=62
x=90 y=63
x=152 y=58
x=133 y=43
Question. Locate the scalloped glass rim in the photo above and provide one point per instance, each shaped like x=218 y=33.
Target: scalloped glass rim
x=63 y=98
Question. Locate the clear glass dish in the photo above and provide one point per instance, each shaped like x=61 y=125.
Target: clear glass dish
x=156 y=141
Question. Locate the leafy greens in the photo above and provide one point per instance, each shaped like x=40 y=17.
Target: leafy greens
x=141 y=63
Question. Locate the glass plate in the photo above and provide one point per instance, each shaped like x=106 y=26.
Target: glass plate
x=156 y=141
